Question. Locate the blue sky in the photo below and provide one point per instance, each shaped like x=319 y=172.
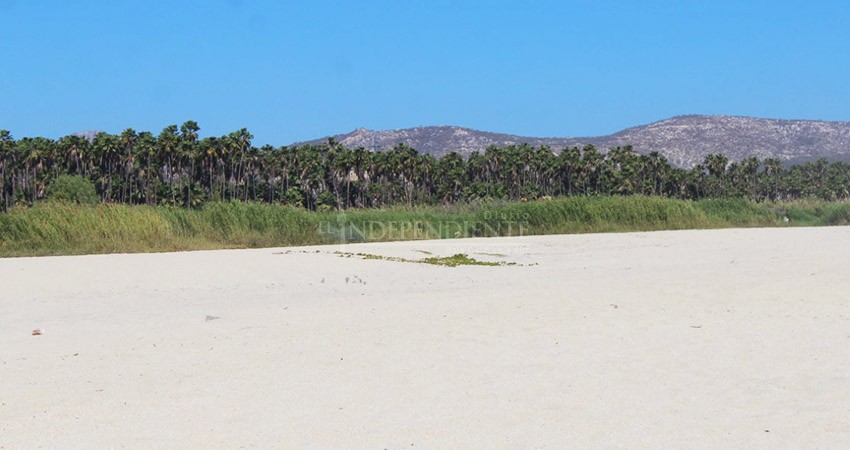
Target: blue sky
x=292 y=70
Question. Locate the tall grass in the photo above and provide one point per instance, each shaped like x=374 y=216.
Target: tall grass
x=817 y=212
x=59 y=228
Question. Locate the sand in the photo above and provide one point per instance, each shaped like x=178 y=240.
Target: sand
x=686 y=339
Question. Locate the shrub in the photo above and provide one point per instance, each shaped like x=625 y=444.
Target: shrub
x=73 y=189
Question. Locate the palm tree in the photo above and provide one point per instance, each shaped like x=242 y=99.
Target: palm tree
x=569 y=162
x=716 y=165
x=188 y=152
x=658 y=169
x=450 y=173
x=772 y=173
x=7 y=152
x=749 y=170
x=128 y=140
x=167 y=142
x=591 y=163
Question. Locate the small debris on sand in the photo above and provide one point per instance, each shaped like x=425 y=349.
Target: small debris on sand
x=208 y=318
x=38 y=332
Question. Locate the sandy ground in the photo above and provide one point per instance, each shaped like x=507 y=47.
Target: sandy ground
x=690 y=339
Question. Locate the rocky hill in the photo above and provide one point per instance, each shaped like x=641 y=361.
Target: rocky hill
x=685 y=140
x=89 y=135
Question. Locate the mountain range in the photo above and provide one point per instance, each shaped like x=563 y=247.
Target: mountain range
x=684 y=140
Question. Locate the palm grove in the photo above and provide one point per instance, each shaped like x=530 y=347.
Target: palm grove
x=178 y=168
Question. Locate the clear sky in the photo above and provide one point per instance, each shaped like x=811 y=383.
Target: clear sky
x=297 y=70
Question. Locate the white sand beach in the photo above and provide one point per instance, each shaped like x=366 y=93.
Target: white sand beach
x=685 y=339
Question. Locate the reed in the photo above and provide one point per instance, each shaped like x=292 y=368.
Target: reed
x=53 y=228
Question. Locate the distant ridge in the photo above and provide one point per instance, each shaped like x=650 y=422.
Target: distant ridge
x=684 y=140
x=89 y=135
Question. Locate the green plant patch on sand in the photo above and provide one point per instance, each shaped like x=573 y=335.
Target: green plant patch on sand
x=459 y=259
x=497 y=255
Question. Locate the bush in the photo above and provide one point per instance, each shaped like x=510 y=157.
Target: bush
x=836 y=214
x=326 y=202
x=294 y=197
x=73 y=189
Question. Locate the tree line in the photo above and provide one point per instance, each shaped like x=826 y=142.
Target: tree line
x=178 y=168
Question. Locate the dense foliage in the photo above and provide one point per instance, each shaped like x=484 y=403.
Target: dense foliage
x=73 y=189
x=177 y=168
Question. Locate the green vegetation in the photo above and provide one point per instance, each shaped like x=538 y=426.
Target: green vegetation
x=55 y=228
x=61 y=228
x=177 y=168
x=137 y=192
x=459 y=259
x=74 y=189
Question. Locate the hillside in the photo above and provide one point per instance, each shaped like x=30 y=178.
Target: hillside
x=685 y=140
